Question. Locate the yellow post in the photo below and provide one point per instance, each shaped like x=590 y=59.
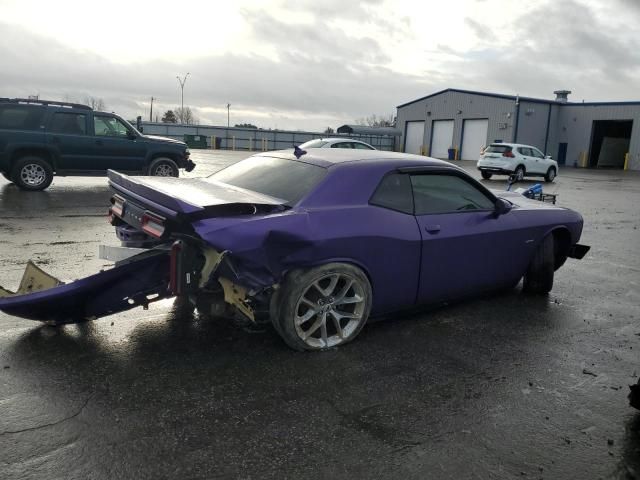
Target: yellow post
x=457 y=152
x=213 y=142
x=233 y=143
x=626 y=160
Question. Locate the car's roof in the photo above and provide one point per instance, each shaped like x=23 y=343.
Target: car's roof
x=511 y=144
x=343 y=139
x=329 y=157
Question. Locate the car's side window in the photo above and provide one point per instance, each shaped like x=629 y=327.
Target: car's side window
x=537 y=153
x=361 y=146
x=444 y=193
x=69 y=123
x=394 y=192
x=342 y=145
x=523 y=151
x=109 y=127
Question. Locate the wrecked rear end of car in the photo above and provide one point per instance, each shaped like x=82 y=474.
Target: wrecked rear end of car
x=176 y=240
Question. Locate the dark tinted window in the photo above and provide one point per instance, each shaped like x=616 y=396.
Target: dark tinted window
x=497 y=149
x=109 y=127
x=446 y=193
x=21 y=117
x=362 y=146
x=342 y=145
x=70 y=123
x=394 y=192
x=284 y=179
x=524 y=151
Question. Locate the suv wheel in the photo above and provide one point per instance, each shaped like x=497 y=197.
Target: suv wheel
x=486 y=175
x=32 y=173
x=519 y=173
x=551 y=174
x=163 y=167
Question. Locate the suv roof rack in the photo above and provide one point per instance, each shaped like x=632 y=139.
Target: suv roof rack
x=46 y=103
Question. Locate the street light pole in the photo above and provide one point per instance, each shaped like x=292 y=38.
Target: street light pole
x=228 y=105
x=182 y=81
x=151 y=111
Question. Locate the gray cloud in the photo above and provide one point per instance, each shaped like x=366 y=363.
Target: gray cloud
x=482 y=32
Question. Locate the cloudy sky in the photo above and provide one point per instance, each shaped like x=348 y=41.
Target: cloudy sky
x=309 y=64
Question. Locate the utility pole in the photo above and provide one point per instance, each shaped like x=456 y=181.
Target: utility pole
x=182 y=82
x=151 y=111
x=228 y=106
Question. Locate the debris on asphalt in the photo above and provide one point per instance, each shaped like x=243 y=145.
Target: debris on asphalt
x=586 y=371
x=610 y=441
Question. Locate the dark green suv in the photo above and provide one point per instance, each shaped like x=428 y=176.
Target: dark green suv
x=40 y=139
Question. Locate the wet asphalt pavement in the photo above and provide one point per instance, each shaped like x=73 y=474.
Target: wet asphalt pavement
x=500 y=387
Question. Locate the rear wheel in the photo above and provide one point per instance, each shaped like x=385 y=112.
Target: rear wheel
x=486 y=175
x=520 y=173
x=539 y=275
x=32 y=173
x=551 y=174
x=163 y=167
x=323 y=307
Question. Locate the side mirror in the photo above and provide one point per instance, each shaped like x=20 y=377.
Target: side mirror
x=548 y=157
x=140 y=129
x=131 y=136
x=502 y=207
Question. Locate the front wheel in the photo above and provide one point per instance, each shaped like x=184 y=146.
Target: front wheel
x=486 y=175
x=32 y=173
x=550 y=175
x=163 y=167
x=539 y=275
x=519 y=173
x=323 y=307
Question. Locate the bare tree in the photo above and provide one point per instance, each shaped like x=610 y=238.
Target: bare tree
x=328 y=131
x=185 y=116
x=95 y=103
x=375 y=121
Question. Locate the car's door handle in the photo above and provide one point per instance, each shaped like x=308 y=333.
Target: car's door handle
x=432 y=228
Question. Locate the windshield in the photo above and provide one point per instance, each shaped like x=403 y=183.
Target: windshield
x=317 y=143
x=285 y=179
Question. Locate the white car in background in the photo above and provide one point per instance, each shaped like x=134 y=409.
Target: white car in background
x=336 y=143
x=514 y=158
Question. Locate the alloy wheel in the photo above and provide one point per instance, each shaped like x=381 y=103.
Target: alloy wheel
x=33 y=174
x=330 y=310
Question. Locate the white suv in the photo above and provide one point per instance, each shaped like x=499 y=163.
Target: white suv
x=514 y=158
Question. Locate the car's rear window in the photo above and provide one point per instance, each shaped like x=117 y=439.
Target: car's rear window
x=285 y=179
x=498 y=149
x=317 y=143
x=21 y=117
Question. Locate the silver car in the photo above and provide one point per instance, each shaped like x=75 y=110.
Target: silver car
x=336 y=143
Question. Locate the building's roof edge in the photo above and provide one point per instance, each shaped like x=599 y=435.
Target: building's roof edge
x=522 y=99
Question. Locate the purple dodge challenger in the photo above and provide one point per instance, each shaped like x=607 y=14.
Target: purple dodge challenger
x=314 y=242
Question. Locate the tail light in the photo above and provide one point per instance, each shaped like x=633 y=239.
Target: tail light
x=509 y=154
x=117 y=205
x=153 y=224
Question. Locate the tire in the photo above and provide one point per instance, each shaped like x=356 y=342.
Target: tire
x=323 y=307
x=550 y=175
x=163 y=167
x=486 y=175
x=539 y=276
x=32 y=173
x=520 y=172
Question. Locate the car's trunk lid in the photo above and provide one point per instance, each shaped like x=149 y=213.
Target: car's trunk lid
x=174 y=196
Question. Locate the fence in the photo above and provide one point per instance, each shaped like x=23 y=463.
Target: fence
x=236 y=138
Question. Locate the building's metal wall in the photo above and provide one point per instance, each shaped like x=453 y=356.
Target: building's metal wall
x=571 y=123
x=255 y=140
x=575 y=123
x=500 y=113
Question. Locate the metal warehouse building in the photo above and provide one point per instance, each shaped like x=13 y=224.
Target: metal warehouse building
x=586 y=134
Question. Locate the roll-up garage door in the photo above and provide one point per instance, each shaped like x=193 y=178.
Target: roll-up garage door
x=441 y=138
x=414 y=137
x=474 y=137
